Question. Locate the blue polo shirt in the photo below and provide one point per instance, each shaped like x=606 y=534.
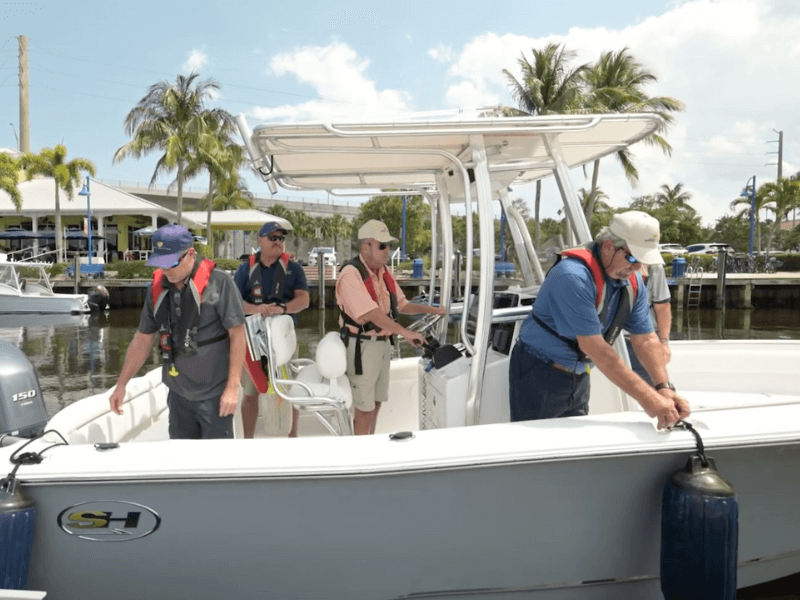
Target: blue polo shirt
x=295 y=280
x=566 y=302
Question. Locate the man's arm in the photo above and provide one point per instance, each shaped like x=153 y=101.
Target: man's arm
x=230 y=395
x=299 y=302
x=664 y=404
x=415 y=308
x=663 y=312
x=135 y=357
x=386 y=323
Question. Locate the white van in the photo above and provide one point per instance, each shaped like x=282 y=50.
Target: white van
x=329 y=256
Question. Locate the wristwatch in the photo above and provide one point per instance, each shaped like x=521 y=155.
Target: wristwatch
x=664 y=340
x=283 y=306
x=666 y=384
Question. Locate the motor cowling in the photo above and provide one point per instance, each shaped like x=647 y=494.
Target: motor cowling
x=22 y=409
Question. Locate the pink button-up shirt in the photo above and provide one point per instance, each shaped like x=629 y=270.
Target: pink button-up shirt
x=354 y=299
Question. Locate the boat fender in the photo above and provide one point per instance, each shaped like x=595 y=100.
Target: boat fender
x=699 y=531
x=17 y=521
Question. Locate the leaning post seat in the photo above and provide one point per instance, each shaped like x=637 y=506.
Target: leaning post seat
x=321 y=388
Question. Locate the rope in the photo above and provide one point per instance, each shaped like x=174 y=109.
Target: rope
x=701 y=452
x=19 y=458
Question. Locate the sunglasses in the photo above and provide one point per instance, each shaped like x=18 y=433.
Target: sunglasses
x=382 y=246
x=276 y=238
x=180 y=258
x=628 y=256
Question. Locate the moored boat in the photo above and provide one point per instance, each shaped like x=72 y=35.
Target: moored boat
x=449 y=499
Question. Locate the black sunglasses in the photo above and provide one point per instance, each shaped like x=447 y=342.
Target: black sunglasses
x=180 y=258
x=276 y=238
x=382 y=246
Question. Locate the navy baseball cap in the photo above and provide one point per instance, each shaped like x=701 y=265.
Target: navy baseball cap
x=169 y=242
x=271 y=227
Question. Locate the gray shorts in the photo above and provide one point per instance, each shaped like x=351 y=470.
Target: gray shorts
x=373 y=385
x=248 y=387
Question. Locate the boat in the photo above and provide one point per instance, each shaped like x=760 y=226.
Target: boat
x=449 y=499
x=25 y=288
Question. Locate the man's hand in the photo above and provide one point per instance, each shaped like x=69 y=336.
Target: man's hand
x=228 y=402
x=669 y=410
x=116 y=399
x=413 y=338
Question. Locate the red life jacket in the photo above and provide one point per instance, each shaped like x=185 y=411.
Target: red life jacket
x=590 y=259
x=257 y=295
x=179 y=336
x=391 y=287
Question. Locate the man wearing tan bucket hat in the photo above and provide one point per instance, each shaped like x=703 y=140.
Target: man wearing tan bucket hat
x=369 y=300
x=587 y=298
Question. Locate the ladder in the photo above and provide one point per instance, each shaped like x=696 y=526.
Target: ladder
x=695 y=286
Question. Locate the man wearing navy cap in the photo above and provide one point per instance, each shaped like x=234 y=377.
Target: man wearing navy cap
x=197 y=313
x=270 y=284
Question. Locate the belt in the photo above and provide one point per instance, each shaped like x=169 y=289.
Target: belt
x=548 y=362
x=378 y=338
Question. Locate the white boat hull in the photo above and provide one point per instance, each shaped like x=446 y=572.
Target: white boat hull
x=565 y=508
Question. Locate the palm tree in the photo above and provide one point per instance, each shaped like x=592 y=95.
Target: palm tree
x=616 y=84
x=172 y=119
x=547 y=86
x=229 y=194
x=780 y=198
x=52 y=163
x=675 y=196
x=221 y=157
x=9 y=179
x=592 y=204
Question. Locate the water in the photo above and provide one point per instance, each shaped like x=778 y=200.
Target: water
x=76 y=356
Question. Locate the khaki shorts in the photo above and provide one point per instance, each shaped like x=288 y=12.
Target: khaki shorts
x=373 y=385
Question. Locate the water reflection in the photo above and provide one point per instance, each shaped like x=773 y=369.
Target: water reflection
x=76 y=356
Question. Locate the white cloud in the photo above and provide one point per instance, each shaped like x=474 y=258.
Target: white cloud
x=441 y=53
x=196 y=62
x=339 y=77
x=729 y=61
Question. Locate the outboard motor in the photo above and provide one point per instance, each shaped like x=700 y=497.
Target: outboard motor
x=22 y=415
x=22 y=410
x=98 y=298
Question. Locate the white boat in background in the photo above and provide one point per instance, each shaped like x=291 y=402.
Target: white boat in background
x=25 y=288
x=449 y=499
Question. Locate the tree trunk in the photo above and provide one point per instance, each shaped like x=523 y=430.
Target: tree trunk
x=209 y=239
x=536 y=207
x=59 y=235
x=179 y=210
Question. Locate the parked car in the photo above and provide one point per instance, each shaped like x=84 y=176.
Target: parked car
x=329 y=256
x=709 y=248
x=674 y=249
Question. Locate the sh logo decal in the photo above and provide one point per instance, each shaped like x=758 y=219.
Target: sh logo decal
x=109 y=521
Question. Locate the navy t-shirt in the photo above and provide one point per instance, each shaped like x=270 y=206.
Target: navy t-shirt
x=295 y=280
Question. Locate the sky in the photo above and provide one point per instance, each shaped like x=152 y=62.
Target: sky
x=733 y=63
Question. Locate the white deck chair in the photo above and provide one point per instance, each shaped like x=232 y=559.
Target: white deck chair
x=320 y=387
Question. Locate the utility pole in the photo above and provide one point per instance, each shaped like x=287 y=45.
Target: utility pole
x=24 y=114
x=779 y=153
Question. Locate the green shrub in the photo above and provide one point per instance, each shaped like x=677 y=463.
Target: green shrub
x=133 y=269
x=56 y=269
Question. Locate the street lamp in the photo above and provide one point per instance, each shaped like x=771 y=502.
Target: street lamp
x=751 y=192
x=86 y=192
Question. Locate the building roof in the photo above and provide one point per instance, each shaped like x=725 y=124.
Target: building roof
x=240 y=219
x=38 y=199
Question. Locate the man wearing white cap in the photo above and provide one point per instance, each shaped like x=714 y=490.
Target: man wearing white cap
x=369 y=300
x=587 y=298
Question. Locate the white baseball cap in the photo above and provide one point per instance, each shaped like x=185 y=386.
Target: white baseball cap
x=641 y=232
x=375 y=230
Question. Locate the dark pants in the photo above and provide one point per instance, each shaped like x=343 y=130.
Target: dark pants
x=540 y=391
x=197 y=419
